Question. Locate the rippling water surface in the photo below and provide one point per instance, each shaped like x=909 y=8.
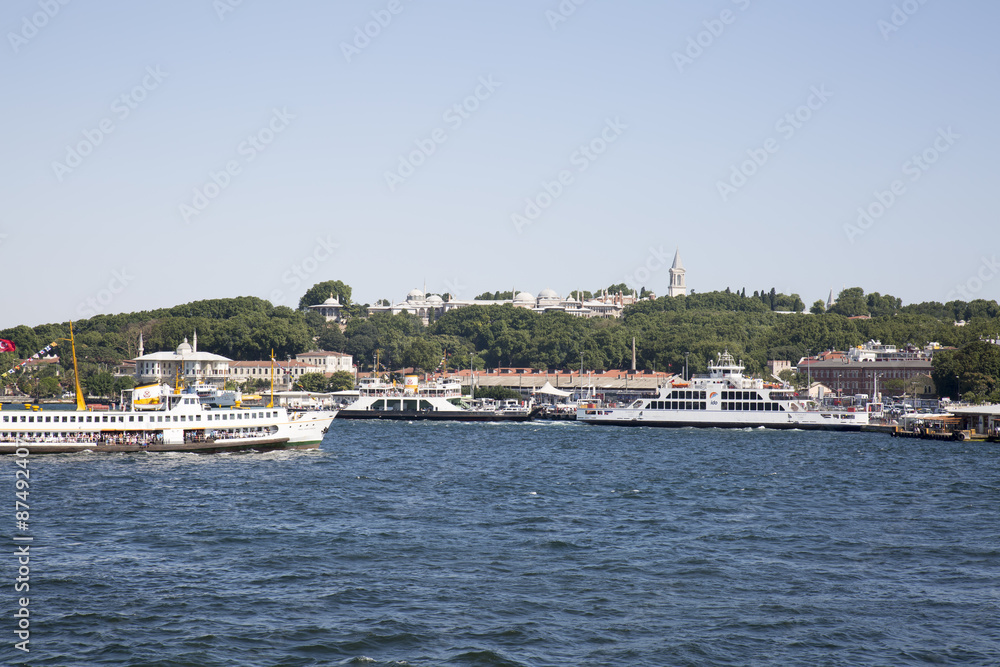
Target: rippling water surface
x=519 y=544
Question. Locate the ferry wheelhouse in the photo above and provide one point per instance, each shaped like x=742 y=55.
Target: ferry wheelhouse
x=724 y=398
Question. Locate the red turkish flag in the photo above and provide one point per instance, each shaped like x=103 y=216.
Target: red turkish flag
x=7 y=346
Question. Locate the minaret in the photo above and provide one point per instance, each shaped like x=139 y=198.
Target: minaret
x=141 y=350
x=677 y=286
x=194 y=341
x=633 y=352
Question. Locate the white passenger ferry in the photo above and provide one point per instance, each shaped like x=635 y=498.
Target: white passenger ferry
x=724 y=398
x=160 y=418
x=439 y=400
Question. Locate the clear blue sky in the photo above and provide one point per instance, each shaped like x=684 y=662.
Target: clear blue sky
x=669 y=118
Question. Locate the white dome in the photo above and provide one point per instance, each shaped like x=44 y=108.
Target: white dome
x=434 y=298
x=332 y=301
x=184 y=348
x=524 y=297
x=548 y=294
x=414 y=295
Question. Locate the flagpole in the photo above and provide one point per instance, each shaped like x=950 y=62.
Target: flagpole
x=271 y=404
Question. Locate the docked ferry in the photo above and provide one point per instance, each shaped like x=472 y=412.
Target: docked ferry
x=439 y=400
x=724 y=398
x=159 y=418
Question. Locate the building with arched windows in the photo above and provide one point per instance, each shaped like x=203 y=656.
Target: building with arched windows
x=185 y=364
x=677 y=275
x=329 y=309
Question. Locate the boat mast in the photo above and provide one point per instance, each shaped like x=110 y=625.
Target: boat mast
x=80 y=404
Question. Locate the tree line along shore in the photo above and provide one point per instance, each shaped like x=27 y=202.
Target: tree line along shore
x=668 y=332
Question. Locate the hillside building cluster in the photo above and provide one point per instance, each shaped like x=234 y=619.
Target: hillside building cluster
x=873 y=368
x=430 y=307
x=190 y=365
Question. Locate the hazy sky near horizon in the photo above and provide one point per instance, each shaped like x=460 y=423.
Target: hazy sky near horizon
x=160 y=153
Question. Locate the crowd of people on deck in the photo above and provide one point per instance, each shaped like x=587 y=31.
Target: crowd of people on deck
x=140 y=439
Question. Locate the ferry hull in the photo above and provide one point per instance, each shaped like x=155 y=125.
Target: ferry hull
x=210 y=447
x=721 y=424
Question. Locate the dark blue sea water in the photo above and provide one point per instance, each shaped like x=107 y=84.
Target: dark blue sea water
x=517 y=544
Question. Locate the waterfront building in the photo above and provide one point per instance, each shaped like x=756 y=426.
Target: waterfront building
x=327 y=362
x=894 y=376
x=286 y=373
x=983 y=419
x=185 y=363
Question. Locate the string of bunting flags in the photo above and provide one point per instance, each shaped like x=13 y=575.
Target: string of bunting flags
x=37 y=355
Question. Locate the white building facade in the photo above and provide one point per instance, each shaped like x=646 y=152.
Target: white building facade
x=328 y=362
x=329 y=309
x=185 y=364
x=286 y=373
x=433 y=306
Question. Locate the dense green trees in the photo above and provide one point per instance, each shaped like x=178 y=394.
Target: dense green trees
x=318 y=382
x=331 y=338
x=311 y=382
x=320 y=292
x=100 y=384
x=422 y=354
x=341 y=381
x=971 y=373
x=384 y=334
x=850 y=302
x=494 y=296
x=39 y=388
x=667 y=332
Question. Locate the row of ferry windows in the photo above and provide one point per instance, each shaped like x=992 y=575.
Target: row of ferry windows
x=753 y=406
x=677 y=405
x=679 y=395
x=72 y=419
x=741 y=396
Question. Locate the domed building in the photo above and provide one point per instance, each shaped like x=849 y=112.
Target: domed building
x=329 y=309
x=548 y=298
x=185 y=362
x=524 y=300
x=417 y=303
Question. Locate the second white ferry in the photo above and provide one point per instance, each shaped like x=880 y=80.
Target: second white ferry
x=724 y=398
x=439 y=400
